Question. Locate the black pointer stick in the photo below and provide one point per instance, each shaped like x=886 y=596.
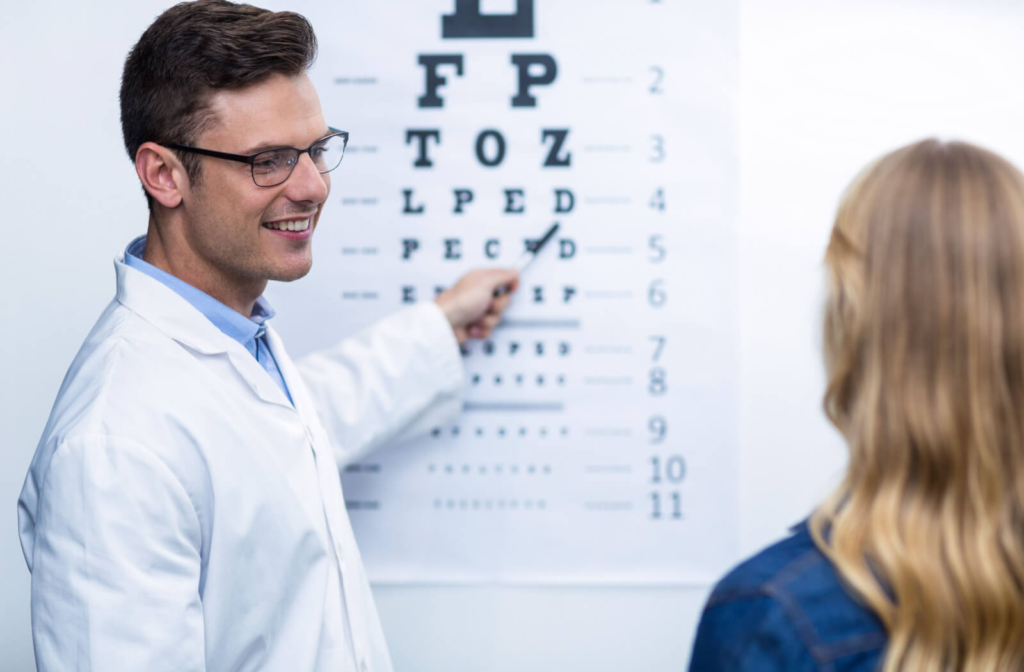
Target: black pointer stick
x=528 y=256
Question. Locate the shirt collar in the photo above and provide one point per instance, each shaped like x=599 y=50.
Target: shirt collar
x=232 y=323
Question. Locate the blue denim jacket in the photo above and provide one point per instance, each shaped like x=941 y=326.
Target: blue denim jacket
x=786 y=609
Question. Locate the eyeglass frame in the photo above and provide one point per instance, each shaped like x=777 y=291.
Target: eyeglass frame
x=251 y=158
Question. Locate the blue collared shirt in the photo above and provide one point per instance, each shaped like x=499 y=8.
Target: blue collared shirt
x=250 y=332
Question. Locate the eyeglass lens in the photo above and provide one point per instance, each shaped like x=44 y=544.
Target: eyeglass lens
x=273 y=167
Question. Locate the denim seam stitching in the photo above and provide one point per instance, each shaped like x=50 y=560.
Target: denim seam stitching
x=864 y=642
x=801 y=623
x=734 y=595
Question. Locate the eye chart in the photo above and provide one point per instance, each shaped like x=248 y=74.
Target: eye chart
x=598 y=440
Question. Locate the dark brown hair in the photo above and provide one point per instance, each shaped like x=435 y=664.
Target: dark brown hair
x=194 y=48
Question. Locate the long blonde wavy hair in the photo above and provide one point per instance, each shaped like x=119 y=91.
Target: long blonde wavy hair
x=924 y=351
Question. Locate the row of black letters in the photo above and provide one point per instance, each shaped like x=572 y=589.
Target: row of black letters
x=565 y=201
x=537 y=293
x=492 y=248
x=544 y=66
x=489 y=348
x=491 y=147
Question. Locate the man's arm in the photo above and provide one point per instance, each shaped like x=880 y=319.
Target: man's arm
x=404 y=375
x=114 y=550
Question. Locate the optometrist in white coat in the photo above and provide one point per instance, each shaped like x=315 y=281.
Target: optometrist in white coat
x=183 y=511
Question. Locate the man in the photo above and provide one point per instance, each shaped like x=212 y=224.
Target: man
x=183 y=510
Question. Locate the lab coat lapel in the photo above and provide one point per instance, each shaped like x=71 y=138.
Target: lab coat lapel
x=353 y=577
x=326 y=465
x=303 y=403
x=167 y=311
x=257 y=377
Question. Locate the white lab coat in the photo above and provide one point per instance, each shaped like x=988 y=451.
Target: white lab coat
x=180 y=515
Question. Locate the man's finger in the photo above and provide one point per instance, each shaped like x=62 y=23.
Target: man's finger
x=487 y=323
x=504 y=276
x=491 y=321
x=500 y=304
x=503 y=280
x=483 y=333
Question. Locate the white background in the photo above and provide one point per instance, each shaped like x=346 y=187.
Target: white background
x=826 y=86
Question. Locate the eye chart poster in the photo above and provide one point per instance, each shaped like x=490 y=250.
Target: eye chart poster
x=598 y=439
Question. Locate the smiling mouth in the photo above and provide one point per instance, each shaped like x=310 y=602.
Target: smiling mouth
x=295 y=225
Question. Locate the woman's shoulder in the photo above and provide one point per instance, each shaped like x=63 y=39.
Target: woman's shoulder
x=786 y=608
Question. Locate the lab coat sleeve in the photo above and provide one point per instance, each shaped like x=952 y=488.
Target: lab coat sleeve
x=394 y=381
x=115 y=561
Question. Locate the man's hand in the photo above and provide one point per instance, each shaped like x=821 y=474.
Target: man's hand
x=471 y=307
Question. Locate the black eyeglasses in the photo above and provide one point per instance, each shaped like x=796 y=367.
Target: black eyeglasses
x=272 y=167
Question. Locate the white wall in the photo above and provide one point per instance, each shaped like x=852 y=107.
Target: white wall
x=826 y=85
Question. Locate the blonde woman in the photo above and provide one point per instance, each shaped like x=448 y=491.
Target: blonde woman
x=916 y=562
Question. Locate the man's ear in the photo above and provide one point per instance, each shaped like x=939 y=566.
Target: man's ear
x=163 y=177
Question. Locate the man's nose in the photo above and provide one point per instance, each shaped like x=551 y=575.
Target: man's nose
x=306 y=183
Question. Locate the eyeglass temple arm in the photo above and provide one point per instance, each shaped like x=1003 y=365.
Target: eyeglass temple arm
x=219 y=155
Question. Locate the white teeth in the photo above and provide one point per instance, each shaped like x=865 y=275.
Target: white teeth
x=289 y=226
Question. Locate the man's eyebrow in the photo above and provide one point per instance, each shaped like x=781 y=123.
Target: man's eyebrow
x=270 y=145
x=262 y=148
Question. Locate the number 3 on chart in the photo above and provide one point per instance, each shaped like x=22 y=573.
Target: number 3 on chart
x=658 y=149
